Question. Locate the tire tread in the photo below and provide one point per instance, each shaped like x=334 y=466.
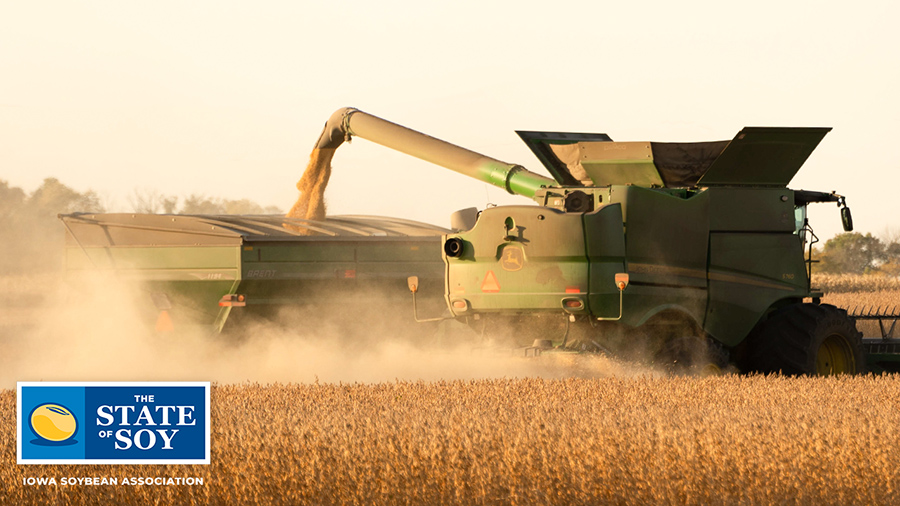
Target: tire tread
x=789 y=339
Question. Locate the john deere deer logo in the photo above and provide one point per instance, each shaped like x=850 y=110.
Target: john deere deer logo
x=512 y=259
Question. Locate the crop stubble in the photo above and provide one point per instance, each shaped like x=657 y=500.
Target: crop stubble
x=678 y=440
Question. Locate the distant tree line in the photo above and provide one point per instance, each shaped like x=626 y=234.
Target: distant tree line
x=30 y=232
x=152 y=201
x=855 y=253
x=33 y=236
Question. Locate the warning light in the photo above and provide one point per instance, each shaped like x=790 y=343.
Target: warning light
x=621 y=281
x=460 y=304
x=573 y=304
x=233 y=300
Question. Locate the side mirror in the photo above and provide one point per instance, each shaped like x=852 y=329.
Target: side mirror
x=413 y=282
x=621 y=280
x=846 y=219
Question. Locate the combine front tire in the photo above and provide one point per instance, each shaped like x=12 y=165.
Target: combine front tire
x=817 y=340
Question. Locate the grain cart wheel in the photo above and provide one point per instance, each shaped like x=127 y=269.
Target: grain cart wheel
x=811 y=339
x=692 y=354
x=680 y=346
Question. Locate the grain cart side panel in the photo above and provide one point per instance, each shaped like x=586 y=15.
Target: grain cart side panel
x=519 y=258
x=192 y=278
x=175 y=263
x=191 y=261
x=295 y=272
x=393 y=260
x=159 y=262
x=317 y=282
x=666 y=243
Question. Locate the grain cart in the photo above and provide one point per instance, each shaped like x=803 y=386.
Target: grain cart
x=685 y=253
x=211 y=272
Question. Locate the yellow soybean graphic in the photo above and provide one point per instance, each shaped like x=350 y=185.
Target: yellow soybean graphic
x=53 y=422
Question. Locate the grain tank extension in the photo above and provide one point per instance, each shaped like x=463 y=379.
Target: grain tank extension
x=684 y=253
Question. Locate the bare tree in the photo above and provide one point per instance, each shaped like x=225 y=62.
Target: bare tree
x=151 y=201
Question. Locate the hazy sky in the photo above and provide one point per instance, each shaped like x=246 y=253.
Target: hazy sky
x=227 y=98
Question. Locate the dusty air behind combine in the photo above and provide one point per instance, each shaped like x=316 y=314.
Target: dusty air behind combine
x=686 y=253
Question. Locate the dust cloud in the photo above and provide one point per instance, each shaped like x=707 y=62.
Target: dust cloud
x=96 y=331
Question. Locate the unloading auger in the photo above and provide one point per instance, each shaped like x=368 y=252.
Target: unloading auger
x=347 y=123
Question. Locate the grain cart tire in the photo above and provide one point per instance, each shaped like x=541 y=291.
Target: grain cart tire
x=680 y=346
x=692 y=354
x=810 y=339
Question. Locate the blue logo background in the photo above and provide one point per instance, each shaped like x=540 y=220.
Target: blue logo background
x=188 y=443
x=34 y=446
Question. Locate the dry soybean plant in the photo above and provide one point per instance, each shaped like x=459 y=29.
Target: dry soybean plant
x=849 y=283
x=677 y=440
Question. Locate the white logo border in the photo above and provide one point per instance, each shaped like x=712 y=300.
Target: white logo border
x=20 y=384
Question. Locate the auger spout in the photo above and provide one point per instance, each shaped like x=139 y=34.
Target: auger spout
x=349 y=122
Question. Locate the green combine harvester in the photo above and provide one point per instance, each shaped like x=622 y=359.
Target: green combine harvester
x=686 y=254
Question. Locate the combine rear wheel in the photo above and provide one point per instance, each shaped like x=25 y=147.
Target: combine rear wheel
x=819 y=340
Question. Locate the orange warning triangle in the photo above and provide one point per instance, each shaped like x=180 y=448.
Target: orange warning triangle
x=490 y=283
x=164 y=322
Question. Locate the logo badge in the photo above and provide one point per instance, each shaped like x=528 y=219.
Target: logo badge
x=513 y=259
x=113 y=423
x=53 y=423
